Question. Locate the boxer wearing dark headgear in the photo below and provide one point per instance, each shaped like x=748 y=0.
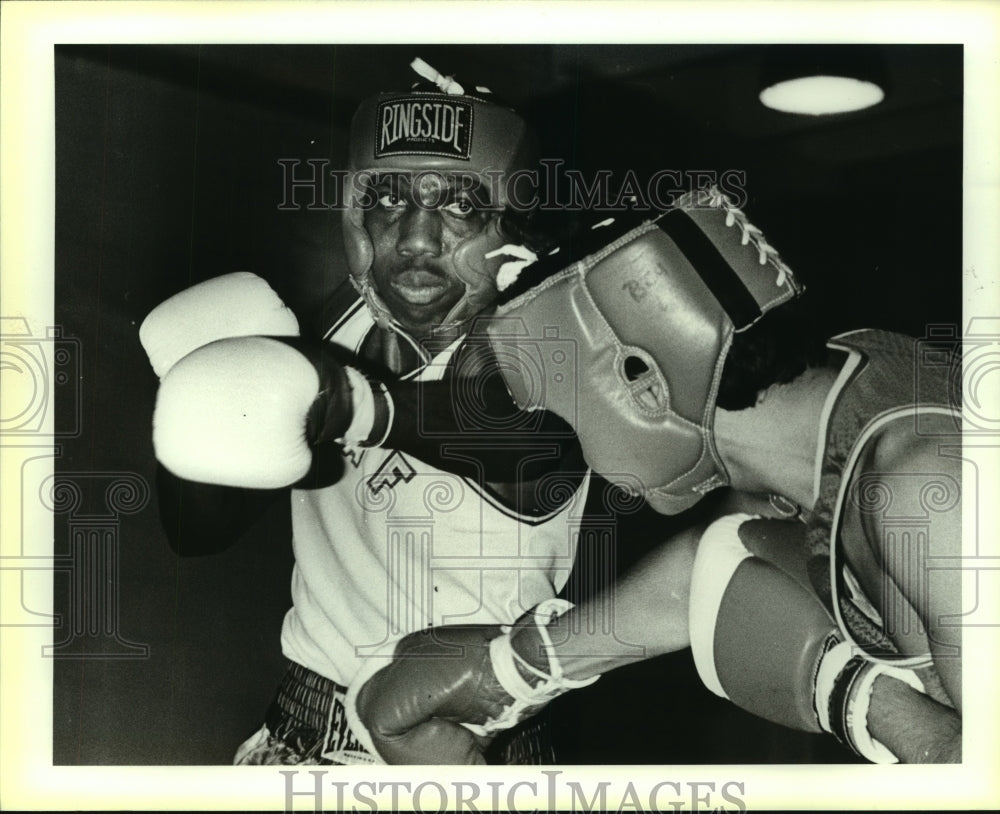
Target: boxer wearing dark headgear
x=399 y=525
x=829 y=622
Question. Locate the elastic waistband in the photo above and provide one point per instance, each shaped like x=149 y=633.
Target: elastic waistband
x=306 y=698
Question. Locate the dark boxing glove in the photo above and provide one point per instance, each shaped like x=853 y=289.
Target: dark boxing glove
x=763 y=639
x=442 y=694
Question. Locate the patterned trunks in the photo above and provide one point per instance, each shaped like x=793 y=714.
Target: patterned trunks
x=306 y=724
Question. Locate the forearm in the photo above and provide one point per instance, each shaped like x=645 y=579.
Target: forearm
x=913 y=726
x=475 y=429
x=642 y=615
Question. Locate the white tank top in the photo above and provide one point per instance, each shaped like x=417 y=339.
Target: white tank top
x=397 y=545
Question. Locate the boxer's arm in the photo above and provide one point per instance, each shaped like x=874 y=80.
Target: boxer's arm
x=201 y=518
x=648 y=614
x=924 y=481
x=467 y=423
x=647 y=607
x=472 y=427
x=409 y=711
x=641 y=616
x=915 y=727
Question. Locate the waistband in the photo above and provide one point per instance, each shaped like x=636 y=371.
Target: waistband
x=308 y=711
x=305 y=699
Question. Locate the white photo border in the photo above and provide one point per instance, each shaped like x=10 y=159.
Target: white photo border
x=29 y=32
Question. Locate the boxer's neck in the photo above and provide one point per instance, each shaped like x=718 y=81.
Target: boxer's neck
x=772 y=446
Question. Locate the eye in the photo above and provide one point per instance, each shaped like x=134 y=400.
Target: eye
x=390 y=200
x=460 y=207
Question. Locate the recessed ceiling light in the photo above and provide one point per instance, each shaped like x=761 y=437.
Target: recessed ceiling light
x=821 y=95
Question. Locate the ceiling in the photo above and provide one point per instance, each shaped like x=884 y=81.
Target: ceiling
x=710 y=89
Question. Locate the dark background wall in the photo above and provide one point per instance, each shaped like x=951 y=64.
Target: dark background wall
x=167 y=173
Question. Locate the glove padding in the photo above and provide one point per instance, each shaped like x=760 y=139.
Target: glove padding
x=248 y=411
x=237 y=304
x=762 y=638
x=446 y=692
x=411 y=710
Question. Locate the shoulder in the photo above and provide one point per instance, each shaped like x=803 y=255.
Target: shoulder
x=901 y=447
x=912 y=476
x=474 y=357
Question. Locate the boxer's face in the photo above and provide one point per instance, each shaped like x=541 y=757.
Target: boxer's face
x=416 y=229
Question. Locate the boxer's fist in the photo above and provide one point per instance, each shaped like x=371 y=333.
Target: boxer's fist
x=443 y=693
x=439 y=678
x=247 y=411
x=761 y=637
x=237 y=304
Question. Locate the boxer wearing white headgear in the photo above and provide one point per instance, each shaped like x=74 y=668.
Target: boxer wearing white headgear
x=834 y=626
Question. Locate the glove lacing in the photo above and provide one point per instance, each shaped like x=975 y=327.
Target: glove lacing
x=528 y=699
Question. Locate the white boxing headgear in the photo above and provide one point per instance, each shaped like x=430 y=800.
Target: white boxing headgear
x=456 y=134
x=628 y=343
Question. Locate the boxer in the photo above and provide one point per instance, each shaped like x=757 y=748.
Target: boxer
x=396 y=528
x=696 y=373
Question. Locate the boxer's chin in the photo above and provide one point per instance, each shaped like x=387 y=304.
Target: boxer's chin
x=421 y=319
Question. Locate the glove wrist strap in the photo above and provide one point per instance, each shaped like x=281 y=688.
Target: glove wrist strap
x=844 y=685
x=372 y=411
x=508 y=665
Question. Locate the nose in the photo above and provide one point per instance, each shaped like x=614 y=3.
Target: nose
x=419 y=233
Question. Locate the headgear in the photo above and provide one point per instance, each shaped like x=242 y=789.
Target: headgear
x=444 y=130
x=627 y=344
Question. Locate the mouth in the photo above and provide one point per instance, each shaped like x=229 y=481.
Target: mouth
x=418 y=286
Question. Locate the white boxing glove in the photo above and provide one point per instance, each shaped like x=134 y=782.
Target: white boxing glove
x=237 y=304
x=244 y=412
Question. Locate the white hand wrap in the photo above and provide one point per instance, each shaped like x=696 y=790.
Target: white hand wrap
x=367 y=398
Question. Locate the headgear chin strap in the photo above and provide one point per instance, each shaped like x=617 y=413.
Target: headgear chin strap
x=475 y=269
x=451 y=132
x=628 y=343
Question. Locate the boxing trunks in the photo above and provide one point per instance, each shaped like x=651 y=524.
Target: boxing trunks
x=306 y=725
